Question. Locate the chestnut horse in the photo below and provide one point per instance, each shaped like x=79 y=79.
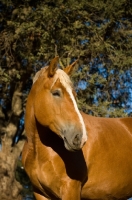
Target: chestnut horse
x=68 y=154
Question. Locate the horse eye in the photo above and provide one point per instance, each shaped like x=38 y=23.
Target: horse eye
x=56 y=93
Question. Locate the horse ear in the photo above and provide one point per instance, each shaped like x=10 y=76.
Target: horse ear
x=68 y=70
x=53 y=66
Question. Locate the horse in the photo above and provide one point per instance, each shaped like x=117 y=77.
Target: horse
x=68 y=154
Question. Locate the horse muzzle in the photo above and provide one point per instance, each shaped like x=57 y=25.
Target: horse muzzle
x=73 y=141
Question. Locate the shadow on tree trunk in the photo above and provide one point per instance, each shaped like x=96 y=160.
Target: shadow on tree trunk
x=21 y=176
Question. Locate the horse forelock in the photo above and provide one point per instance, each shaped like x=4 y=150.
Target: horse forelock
x=63 y=77
x=60 y=74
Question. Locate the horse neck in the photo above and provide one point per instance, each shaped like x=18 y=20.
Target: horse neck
x=30 y=121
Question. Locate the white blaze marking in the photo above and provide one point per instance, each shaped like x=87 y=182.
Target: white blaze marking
x=65 y=81
x=84 y=137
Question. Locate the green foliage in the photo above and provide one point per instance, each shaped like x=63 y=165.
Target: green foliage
x=39 y=30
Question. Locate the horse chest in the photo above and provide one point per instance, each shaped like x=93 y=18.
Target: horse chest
x=49 y=172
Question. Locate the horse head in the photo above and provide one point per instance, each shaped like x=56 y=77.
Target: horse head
x=55 y=105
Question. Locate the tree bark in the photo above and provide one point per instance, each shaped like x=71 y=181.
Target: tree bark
x=10 y=189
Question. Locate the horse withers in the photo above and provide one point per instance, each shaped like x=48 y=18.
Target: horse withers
x=68 y=154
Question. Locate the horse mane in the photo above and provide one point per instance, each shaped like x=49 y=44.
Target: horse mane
x=39 y=73
x=63 y=77
x=59 y=74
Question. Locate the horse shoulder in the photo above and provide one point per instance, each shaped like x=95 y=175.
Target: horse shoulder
x=107 y=152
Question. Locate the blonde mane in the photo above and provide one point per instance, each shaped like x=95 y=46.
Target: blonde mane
x=59 y=74
x=39 y=73
x=63 y=77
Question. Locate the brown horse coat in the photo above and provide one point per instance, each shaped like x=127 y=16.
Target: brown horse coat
x=100 y=168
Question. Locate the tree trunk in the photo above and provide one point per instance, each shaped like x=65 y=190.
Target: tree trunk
x=10 y=189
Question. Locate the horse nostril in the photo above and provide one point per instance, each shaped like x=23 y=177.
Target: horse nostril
x=64 y=132
x=77 y=140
